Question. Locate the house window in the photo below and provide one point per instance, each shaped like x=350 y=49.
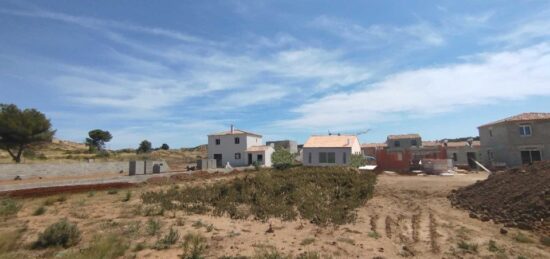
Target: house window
x=525 y=130
x=490 y=132
x=397 y=143
x=322 y=157
x=331 y=157
x=218 y=141
x=344 y=158
x=530 y=156
x=399 y=156
x=237 y=140
x=237 y=156
x=260 y=158
x=414 y=142
x=455 y=157
x=309 y=157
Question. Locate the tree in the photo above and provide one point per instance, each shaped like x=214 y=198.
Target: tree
x=144 y=147
x=357 y=160
x=164 y=146
x=282 y=159
x=97 y=139
x=21 y=128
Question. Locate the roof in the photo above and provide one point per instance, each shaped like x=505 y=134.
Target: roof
x=463 y=144
x=374 y=145
x=235 y=132
x=404 y=136
x=529 y=116
x=257 y=148
x=431 y=143
x=331 y=141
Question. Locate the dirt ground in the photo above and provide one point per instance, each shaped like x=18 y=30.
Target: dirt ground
x=409 y=216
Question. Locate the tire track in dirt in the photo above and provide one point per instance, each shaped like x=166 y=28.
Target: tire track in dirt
x=433 y=234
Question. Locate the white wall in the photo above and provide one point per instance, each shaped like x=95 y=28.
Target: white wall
x=339 y=155
x=228 y=148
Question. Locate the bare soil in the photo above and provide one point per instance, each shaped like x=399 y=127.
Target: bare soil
x=409 y=216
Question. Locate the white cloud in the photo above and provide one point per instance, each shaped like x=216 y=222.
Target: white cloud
x=262 y=94
x=493 y=77
x=377 y=34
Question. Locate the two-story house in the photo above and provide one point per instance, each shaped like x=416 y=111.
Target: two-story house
x=238 y=148
x=517 y=140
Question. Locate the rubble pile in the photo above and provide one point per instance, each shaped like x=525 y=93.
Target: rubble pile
x=516 y=197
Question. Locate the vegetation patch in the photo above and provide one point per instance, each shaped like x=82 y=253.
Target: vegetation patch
x=321 y=195
x=8 y=207
x=104 y=246
x=520 y=237
x=194 y=246
x=62 y=233
x=467 y=247
x=39 y=211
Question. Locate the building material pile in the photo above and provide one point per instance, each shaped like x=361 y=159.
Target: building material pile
x=517 y=198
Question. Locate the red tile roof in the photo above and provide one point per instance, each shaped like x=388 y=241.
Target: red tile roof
x=375 y=145
x=331 y=141
x=529 y=116
x=404 y=136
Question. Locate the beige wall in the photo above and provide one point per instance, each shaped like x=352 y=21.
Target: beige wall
x=228 y=148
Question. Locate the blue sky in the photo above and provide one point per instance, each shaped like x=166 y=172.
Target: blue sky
x=174 y=71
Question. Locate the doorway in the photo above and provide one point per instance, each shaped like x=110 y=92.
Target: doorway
x=218 y=158
x=471 y=159
x=530 y=156
x=249 y=159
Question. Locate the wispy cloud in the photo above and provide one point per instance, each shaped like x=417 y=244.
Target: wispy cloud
x=95 y=23
x=375 y=35
x=492 y=78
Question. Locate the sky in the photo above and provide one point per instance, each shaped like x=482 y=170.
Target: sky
x=174 y=71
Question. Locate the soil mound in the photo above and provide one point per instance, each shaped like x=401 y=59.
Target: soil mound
x=516 y=197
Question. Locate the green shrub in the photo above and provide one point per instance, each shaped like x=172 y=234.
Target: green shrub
x=112 y=191
x=282 y=159
x=467 y=247
x=374 y=234
x=492 y=247
x=169 y=239
x=153 y=227
x=127 y=196
x=545 y=240
x=357 y=160
x=61 y=233
x=320 y=194
x=307 y=241
x=520 y=237
x=9 y=207
x=104 y=246
x=194 y=246
x=39 y=211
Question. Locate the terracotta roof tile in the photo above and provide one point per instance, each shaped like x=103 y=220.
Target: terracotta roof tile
x=463 y=144
x=404 y=136
x=529 y=116
x=235 y=132
x=376 y=145
x=331 y=141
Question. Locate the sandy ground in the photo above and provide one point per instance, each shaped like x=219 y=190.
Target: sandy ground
x=410 y=214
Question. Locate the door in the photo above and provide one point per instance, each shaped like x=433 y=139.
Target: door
x=260 y=159
x=218 y=158
x=530 y=156
x=471 y=159
x=249 y=159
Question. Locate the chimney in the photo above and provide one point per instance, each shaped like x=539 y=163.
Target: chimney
x=231 y=129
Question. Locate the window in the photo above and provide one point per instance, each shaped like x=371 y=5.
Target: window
x=525 y=130
x=414 y=142
x=322 y=157
x=455 y=157
x=331 y=157
x=530 y=156
x=397 y=143
x=344 y=158
x=238 y=156
x=309 y=157
x=218 y=141
x=260 y=158
x=490 y=132
x=237 y=140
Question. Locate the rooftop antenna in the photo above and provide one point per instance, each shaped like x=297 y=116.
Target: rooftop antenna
x=362 y=132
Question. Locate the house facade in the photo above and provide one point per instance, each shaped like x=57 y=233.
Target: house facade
x=238 y=148
x=464 y=153
x=517 y=140
x=331 y=150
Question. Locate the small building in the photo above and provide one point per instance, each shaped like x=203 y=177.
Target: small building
x=516 y=140
x=289 y=145
x=402 y=142
x=464 y=153
x=238 y=148
x=330 y=150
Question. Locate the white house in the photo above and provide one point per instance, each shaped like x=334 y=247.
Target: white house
x=238 y=148
x=330 y=150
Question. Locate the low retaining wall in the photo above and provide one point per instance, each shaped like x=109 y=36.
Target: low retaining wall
x=10 y=171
